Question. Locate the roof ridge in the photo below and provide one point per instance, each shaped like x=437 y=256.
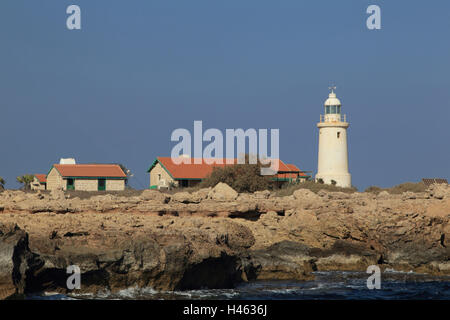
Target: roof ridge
x=86 y=164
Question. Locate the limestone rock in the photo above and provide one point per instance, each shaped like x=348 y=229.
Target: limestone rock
x=155 y=195
x=16 y=260
x=57 y=194
x=265 y=194
x=215 y=237
x=222 y=192
x=186 y=197
x=439 y=191
x=305 y=194
x=383 y=195
x=202 y=194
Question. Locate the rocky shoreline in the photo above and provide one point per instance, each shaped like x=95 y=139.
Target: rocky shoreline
x=215 y=238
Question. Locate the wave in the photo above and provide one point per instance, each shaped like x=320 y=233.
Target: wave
x=327 y=285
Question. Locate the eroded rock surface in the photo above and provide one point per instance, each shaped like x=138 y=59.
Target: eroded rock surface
x=216 y=237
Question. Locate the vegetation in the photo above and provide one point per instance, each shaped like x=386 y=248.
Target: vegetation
x=26 y=180
x=241 y=177
x=72 y=194
x=2 y=183
x=373 y=189
x=400 y=188
x=124 y=169
x=288 y=189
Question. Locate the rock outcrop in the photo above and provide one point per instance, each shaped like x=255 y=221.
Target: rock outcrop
x=222 y=192
x=17 y=262
x=115 y=253
x=215 y=237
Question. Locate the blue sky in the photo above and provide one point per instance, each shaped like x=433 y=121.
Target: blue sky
x=115 y=90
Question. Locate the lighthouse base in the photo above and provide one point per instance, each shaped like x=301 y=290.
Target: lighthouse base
x=342 y=180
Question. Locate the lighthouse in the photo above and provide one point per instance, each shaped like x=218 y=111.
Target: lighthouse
x=332 y=165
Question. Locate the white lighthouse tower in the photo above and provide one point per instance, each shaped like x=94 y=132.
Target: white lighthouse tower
x=333 y=155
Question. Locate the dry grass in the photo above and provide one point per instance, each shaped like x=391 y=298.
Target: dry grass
x=89 y=194
x=400 y=188
x=315 y=187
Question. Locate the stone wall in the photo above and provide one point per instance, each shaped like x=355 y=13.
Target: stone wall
x=115 y=185
x=55 y=180
x=86 y=184
x=159 y=171
x=36 y=185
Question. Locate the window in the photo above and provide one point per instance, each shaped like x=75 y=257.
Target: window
x=338 y=109
x=333 y=109
x=327 y=109
x=101 y=184
x=70 y=184
x=184 y=183
x=159 y=177
x=338 y=135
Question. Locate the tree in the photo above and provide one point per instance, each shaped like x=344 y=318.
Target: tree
x=241 y=177
x=26 y=180
x=126 y=171
x=2 y=183
x=333 y=182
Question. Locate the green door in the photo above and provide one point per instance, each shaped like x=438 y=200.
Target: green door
x=101 y=184
x=70 y=184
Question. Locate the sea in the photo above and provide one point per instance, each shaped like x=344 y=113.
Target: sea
x=333 y=285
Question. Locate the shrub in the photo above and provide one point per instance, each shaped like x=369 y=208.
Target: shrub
x=288 y=189
x=373 y=189
x=241 y=177
x=400 y=188
x=26 y=180
x=408 y=186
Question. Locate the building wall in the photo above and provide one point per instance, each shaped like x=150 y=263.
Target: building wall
x=154 y=176
x=36 y=185
x=55 y=180
x=333 y=155
x=193 y=183
x=115 y=185
x=86 y=184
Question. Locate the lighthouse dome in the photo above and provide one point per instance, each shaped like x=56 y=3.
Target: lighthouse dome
x=332 y=100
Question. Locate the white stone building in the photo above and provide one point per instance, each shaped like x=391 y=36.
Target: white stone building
x=39 y=182
x=86 y=177
x=332 y=165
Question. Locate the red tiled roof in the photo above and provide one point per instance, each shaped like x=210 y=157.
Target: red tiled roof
x=189 y=170
x=41 y=177
x=293 y=167
x=202 y=170
x=90 y=170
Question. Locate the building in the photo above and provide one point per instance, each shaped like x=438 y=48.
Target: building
x=332 y=165
x=67 y=161
x=86 y=177
x=164 y=173
x=39 y=182
x=430 y=181
x=288 y=173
